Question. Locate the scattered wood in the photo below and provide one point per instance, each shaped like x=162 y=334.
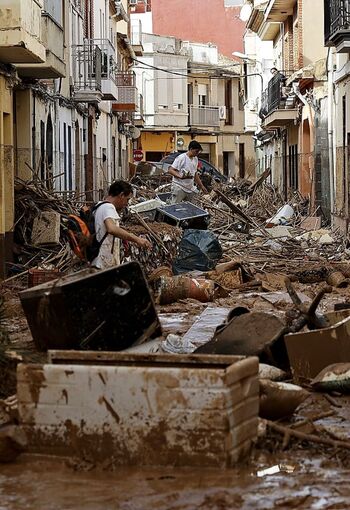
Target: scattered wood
x=283 y=430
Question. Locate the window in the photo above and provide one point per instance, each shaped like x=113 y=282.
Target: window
x=293 y=166
x=202 y=94
x=240 y=96
x=55 y=9
x=228 y=103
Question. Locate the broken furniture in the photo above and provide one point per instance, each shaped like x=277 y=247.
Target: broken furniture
x=184 y=215
x=141 y=409
x=311 y=351
x=103 y=310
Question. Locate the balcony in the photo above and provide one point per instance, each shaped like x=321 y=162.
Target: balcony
x=204 y=116
x=127 y=93
x=279 y=10
x=278 y=105
x=276 y=12
x=136 y=38
x=94 y=67
x=108 y=81
x=337 y=24
x=86 y=72
x=20 y=34
x=53 y=40
x=139 y=119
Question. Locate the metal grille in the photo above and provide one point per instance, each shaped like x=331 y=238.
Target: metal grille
x=337 y=17
x=274 y=93
x=204 y=116
x=87 y=66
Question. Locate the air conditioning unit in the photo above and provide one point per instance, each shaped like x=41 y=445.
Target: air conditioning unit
x=222 y=112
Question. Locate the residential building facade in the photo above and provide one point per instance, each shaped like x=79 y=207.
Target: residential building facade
x=192 y=93
x=292 y=135
x=337 y=41
x=66 y=121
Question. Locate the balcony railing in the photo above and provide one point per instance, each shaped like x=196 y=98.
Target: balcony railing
x=336 y=22
x=136 y=33
x=139 y=113
x=94 y=66
x=204 y=115
x=127 y=92
x=108 y=58
x=278 y=103
x=87 y=71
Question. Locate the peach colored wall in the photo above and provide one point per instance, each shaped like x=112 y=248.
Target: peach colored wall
x=200 y=21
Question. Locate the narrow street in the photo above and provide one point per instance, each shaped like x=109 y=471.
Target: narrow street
x=174 y=254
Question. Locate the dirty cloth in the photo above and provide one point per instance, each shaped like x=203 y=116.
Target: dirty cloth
x=109 y=254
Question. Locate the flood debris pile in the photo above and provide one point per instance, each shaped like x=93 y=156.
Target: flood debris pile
x=165 y=241
x=39 y=234
x=261 y=281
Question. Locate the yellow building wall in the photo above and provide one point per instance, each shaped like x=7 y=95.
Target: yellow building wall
x=6 y=173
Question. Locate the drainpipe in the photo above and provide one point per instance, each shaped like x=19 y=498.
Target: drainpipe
x=330 y=127
x=33 y=134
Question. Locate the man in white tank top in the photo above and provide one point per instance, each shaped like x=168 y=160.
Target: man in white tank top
x=185 y=175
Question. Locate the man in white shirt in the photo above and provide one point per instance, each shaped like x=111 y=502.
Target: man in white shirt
x=107 y=222
x=185 y=175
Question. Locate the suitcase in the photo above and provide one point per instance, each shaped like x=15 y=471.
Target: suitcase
x=184 y=215
x=93 y=310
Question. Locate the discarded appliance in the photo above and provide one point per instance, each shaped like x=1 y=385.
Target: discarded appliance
x=198 y=250
x=106 y=310
x=311 y=351
x=141 y=409
x=173 y=288
x=147 y=209
x=184 y=215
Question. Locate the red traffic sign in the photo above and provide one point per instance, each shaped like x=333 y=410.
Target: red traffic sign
x=138 y=155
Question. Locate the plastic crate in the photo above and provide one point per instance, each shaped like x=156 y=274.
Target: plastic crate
x=37 y=276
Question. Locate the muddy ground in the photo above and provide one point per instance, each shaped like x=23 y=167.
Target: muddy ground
x=299 y=475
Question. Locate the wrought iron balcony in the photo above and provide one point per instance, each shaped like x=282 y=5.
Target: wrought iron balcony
x=277 y=104
x=337 y=24
x=94 y=68
x=204 y=116
x=127 y=93
x=87 y=70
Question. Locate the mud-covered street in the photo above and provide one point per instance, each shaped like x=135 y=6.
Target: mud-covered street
x=296 y=479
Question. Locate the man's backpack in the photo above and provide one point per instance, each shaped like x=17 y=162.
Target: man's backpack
x=82 y=235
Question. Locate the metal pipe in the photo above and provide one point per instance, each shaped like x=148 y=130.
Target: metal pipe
x=330 y=127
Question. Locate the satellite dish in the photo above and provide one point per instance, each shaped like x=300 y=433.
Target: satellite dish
x=135 y=132
x=180 y=142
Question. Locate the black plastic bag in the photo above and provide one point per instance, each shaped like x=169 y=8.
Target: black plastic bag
x=199 y=250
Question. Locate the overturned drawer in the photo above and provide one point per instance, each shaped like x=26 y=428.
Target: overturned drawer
x=143 y=409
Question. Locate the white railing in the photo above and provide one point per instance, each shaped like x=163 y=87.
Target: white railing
x=204 y=115
x=136 y=33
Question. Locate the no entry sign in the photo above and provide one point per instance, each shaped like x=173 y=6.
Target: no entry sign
x=138 y=155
